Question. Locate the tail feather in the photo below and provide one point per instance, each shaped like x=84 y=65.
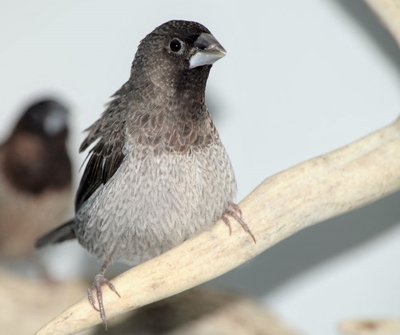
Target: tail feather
x=60 y=234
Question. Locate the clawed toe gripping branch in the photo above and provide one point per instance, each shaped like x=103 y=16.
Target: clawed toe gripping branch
x=235 y=212
x=99 y=281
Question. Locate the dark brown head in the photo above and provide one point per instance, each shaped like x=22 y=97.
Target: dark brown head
x=45 y=118
x=35 y=156
x=176 y=56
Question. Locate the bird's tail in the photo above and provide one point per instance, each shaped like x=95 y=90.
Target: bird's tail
x=60 y=234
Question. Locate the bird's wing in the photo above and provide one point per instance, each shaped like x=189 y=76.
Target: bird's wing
x=104 y=158
x=103 y=161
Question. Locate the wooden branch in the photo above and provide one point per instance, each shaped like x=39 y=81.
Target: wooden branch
x=199 y=311
x=371 y=327
x=389 y=13
x=308 y=193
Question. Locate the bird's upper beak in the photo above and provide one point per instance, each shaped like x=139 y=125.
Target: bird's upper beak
x=208 y=51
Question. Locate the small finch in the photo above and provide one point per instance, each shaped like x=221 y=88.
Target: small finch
x=35 y=178
x=157 y=173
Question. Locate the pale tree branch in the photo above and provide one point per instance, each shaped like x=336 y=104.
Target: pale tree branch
x=306 y=194
x=370 y=327
x=389 y=13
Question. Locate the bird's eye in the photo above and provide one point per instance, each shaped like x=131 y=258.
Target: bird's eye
x=175 y=45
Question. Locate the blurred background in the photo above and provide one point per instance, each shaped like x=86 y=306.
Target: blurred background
x=300 y=78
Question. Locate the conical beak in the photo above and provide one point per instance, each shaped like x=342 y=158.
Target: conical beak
x=208 y=51
x=56 y=120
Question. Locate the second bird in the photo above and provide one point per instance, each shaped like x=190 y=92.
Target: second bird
x=158 y=172
x=35 y=178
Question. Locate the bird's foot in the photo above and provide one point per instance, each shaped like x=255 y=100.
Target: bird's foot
x=235 y=212
x=95 y=292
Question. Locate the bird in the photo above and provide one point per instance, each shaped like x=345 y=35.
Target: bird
x=157 y=172
x=35 y=178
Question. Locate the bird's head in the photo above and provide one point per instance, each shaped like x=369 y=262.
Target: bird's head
x=45 y=118
x=177 y=54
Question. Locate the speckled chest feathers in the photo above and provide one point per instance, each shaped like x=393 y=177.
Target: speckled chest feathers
x=158 y=172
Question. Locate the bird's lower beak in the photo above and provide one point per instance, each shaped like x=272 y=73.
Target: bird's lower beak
x=208 y=51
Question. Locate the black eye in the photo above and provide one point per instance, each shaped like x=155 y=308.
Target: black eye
x=175 y=45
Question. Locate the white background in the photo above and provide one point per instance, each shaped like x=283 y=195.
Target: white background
x=300 y=79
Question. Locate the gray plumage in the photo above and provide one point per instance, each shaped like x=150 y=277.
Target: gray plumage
x=158 y=172
x=175 y=178
x=155 y=201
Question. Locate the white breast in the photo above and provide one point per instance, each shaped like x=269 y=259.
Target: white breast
x=154 y=202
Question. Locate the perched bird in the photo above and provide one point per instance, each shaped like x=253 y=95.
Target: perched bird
x=35 y=178
x=158 y=172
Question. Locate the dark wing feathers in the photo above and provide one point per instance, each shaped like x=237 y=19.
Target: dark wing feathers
x=107 y=154
x=104 y=160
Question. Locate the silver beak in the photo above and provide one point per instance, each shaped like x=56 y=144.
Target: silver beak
x=56 y=121
x=208 y=51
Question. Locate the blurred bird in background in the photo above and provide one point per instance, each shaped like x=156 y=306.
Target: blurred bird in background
x=35 y=178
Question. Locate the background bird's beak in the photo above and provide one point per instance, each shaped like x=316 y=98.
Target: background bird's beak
x=56 y=121
x=208 y=51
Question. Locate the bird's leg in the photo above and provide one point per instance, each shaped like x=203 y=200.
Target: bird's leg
x=99 y=281
x=235 y=212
